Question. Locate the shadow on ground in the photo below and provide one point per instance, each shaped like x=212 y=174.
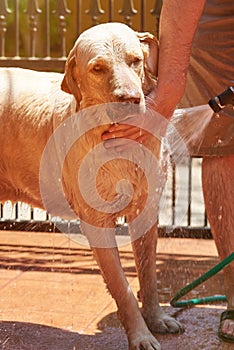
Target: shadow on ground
x=174 y=270
x=27 y=336
x=201 y=326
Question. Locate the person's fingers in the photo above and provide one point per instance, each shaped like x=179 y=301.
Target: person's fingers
x=134 y=134
x=142 y=138
x=123 y=144
x=122 y=132
x=118 y=127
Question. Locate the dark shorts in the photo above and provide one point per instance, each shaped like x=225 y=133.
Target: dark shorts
x=211 y=71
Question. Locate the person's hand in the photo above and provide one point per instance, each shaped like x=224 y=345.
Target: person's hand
x=118 y=135
x=136 y=128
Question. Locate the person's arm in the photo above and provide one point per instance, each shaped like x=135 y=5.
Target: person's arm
x=178 y=23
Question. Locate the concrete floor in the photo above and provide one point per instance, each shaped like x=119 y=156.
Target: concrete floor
x=52 y=296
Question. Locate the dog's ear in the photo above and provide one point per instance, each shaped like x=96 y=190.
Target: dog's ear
x=69 y=83
x=150 y=49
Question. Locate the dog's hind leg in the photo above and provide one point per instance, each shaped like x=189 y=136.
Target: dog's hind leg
x=157 y=320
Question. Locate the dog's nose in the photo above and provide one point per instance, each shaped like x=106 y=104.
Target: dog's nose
x=126 y=99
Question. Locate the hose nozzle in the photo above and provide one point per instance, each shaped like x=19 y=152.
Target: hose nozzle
x=225 y=98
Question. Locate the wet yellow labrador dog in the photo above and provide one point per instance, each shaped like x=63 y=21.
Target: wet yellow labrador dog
x=109 y=63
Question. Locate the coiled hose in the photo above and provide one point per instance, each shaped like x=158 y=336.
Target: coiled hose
x=185 y=303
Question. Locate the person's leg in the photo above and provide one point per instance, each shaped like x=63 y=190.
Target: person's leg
x=218 y=189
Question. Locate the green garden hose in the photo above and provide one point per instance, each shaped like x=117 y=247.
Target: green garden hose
x=185 y=303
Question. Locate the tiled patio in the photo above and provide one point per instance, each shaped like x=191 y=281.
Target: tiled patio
x=52 y=296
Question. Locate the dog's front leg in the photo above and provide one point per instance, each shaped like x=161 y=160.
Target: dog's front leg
x=144 y=250
x=139 y=336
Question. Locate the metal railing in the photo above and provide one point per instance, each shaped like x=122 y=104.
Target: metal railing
x=37 y=34
x=181 y=215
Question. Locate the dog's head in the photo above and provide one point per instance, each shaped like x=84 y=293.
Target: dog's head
x=111 y=63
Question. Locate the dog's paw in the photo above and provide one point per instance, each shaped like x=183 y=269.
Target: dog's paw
x=163 y=323
x=144 y=342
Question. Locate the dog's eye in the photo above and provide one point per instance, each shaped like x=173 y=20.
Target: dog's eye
x=135 y=61
x=97 y=68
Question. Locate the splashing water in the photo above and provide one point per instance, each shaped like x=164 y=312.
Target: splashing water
x=190 y=124
x=184 y=136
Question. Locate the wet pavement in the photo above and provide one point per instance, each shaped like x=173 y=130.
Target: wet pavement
x=52 y=296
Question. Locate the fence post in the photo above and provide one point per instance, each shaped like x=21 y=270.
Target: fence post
x=95 y=10
x=61 y=12
x=32 y=11
x=128 y=11
x=4 y=11
x=156 y=11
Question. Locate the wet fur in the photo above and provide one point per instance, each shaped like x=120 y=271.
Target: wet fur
x=122 y=64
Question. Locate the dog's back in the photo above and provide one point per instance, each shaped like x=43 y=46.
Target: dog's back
x=31 y=105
